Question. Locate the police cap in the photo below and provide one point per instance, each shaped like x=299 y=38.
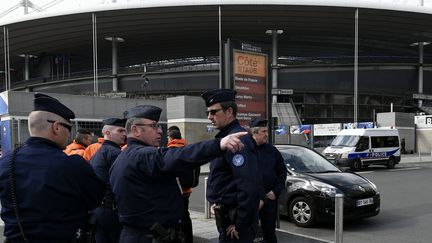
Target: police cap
x=258 y=122
x=114 y=122
x=144 y=111
x=215 y=96
x=43 y=102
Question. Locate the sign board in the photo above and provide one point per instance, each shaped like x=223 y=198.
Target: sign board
x=422 y=97
x=250 y=79
x=423 y=121
x=327 y=129
x=300 y=129
x=359 y=125
x=114 y=95
x=282 y=91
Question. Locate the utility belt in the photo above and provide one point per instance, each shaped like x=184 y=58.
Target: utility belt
x=157 y=232
x=7 y=240
x=109 y=202
x=85 y=234
x=225 y=216
x=111 y=205
x=163 y=234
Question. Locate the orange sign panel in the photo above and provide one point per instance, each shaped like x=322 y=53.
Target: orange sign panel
x=249 y=64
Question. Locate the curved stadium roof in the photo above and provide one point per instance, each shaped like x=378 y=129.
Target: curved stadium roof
x=176 y=29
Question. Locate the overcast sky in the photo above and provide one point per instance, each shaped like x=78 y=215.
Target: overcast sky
x=56 y=5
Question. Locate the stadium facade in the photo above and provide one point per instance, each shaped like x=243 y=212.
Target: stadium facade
x=169 y=48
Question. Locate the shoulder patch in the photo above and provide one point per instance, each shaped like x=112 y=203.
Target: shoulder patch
x=238 y=160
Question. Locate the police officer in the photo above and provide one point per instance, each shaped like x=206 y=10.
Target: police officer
x=114 y=133
x=234 y=184
x=274 y=172
x=45 y=194
x=143 y=177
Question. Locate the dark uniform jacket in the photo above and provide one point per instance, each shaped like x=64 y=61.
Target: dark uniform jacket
x=102 y=162
x=235 y=179
x=143 y=180
x=272 y=167
x=54 y=192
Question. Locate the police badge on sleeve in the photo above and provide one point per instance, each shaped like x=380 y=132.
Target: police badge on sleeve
x=238 y=160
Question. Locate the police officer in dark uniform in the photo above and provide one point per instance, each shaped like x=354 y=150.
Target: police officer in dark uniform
x=45 y=194
x=109 y=227
x=274 y=172
x=143 y=177
x=234 y=184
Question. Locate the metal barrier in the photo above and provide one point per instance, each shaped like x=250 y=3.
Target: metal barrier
x=339 y=218
x=206 y=203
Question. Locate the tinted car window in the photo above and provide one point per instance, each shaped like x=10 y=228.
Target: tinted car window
x=363 y=144
x=299 y=159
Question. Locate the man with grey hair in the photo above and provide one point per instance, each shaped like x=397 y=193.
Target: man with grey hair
x=109 y=227
x=45 y=194
x=274 y=172
x=143 y=177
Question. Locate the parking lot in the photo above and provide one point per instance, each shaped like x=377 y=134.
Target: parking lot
x=406 y=208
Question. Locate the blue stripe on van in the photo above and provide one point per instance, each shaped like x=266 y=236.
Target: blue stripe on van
x=364 y=155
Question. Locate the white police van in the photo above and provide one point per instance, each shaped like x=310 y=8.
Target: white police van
x=359 y=148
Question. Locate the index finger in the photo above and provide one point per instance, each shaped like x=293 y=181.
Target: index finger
x=239 y=134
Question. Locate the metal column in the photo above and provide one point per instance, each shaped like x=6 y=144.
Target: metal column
x=339 y=198
x=274 y=63
x=114 y=64
x=95 y=54
x=26 y=67
x=220 y=49
x=356 y=70
x=6 y=57
x=420 y=73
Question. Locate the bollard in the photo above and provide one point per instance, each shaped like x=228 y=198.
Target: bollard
x=206 y=203
x=339 y=218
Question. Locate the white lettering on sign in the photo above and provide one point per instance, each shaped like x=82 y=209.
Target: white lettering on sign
x=377 y=155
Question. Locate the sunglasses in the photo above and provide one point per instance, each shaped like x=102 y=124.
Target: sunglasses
x=152 y=125
x=67 y=126
x=212 y=112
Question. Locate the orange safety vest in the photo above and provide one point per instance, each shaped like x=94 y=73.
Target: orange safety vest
x=92 y=149
x=75 y=148
x=175 y=143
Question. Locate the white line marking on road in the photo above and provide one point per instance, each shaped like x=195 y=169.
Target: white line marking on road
x=365 y=172
x=303 y=235
x=409 y=168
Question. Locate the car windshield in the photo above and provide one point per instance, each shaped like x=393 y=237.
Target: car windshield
x=345 y=141
x=299 y=159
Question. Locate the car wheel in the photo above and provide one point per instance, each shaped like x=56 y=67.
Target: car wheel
x=391 y=163
x=302 y=212
x=356 y=165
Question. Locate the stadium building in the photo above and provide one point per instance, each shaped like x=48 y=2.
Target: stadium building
x=327 y=61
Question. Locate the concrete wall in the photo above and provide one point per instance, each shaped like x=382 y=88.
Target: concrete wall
x=404 y=122
x=188 y=113
x=84 y=107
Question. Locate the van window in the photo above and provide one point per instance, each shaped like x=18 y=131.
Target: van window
x=385 y=142
x=345 y=141
x=363 y=144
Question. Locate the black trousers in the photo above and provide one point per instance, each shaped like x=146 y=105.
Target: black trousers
x=267 y=216
x=109 y=227
x=129 y=235
x=246 y=236
x=187 y=221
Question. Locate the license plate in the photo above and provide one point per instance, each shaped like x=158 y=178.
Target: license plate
x=364 y=202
